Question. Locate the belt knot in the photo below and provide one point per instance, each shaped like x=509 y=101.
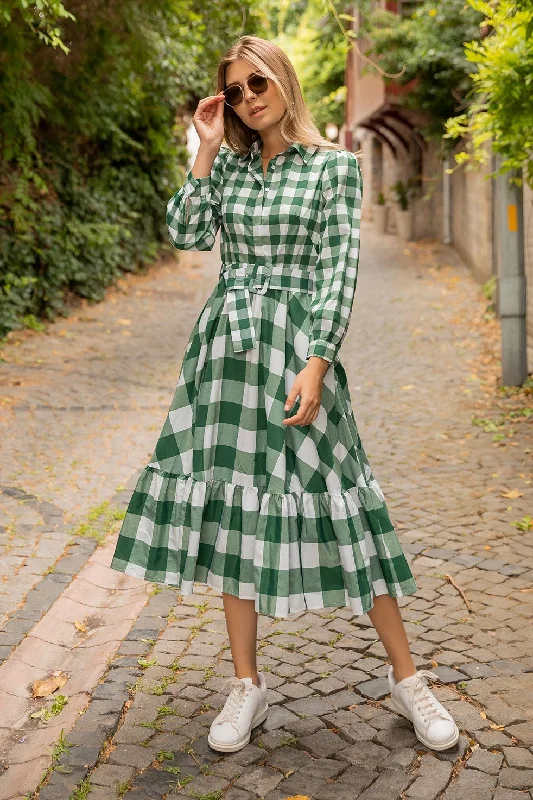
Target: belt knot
x=240 y=281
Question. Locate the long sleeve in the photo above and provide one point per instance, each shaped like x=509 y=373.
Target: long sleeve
x=193 y=213
x=338 y=258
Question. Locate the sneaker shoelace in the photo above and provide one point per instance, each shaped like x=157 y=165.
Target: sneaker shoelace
x=421 y=696
x=233 y=705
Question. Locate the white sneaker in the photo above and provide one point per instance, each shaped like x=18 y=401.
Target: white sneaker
x=245 y=708
x=412 y=697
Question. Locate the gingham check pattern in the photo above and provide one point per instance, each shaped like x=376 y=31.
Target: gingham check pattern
x=289 y=516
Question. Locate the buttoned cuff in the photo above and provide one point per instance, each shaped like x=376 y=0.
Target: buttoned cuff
x=199 y=185
x=319 y=347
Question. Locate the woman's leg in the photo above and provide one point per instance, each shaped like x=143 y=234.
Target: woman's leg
x=241 y=622
x=387 y=620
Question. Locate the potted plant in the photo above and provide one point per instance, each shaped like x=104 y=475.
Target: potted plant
x=380 y=213
x=404 y=191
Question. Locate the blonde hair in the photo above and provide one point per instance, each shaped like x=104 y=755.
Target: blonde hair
x=296 y=124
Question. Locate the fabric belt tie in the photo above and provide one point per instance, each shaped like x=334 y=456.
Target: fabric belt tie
x=239 y=284
x=243 y=280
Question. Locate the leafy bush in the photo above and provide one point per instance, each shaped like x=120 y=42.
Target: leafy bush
x=93 y=101
x=427 y=51
x=501 y=103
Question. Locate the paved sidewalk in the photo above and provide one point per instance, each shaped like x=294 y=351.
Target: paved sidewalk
x=419 y=338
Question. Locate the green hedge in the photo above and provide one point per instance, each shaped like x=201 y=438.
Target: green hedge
x=92 y=142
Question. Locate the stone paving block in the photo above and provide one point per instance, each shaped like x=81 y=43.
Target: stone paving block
x=485 y=761
x=325 y=768
x=467 y=716
x=261 y=780
x=366 y=754
x=130 y=755
x=507 y=667
x=301 y=783
x=432 y=778
x=326 y=685
x=279 y=717
x=323 y=743
x=476 y=670
x=448 y=675
x=402 y=758
x=101 y=793
x=344 y=698
x=286 y=758
x=493 y=739
x=304 y=726
x=375 y=689
x=518 y=757
x=396 y=737
x=239 y=794
x=512 y=778
x=110 y=775
x=510 y=794
x=389 y=784
x=471 y=784
x=293 y=690
x=246 y=756
x=350 y=676
x=503 y=714
x=310 y=706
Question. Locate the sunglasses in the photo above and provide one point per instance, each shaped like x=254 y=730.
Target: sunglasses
x=234 y=94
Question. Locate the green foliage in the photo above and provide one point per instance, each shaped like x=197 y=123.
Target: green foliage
x=318 y=49
x=92 y=138
x=501 y=109
x=428 y=50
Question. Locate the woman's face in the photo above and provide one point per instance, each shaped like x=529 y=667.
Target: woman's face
x=274 y=106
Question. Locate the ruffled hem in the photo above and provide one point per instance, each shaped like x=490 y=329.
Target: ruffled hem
x=288 y=552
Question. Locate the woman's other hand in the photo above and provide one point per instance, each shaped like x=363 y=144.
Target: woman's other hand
x=308 y=386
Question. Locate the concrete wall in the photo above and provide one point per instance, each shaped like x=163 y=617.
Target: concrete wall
x=472 y=219
x=474 y=223
x=528 y=235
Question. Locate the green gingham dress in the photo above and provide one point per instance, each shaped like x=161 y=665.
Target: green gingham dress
x=288 y=516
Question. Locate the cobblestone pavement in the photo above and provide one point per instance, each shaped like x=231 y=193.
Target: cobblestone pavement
x=80 y=406
x=420 y=357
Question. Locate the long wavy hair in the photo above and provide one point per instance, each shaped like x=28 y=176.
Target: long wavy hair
x=297 y=124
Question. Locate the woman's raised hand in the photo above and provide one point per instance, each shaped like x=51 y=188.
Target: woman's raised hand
x=208 y=119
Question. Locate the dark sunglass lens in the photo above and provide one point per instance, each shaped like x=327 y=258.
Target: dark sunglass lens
x=258 y=84
x=233 y=95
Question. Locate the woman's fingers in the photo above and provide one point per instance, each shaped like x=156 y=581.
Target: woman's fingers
x=211 y=100
x=306 y=414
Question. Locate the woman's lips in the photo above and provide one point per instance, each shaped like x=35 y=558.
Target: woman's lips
x=254 y=113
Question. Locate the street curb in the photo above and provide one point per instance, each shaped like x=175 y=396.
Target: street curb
x=43 y=595
x=102 y=718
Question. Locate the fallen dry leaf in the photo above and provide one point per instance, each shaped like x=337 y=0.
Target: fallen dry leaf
x=434 y=664
x=47 y=686
x=512 y=494
x=495 y=727
x=482 y=715
x=80 y=627
x=298 y=797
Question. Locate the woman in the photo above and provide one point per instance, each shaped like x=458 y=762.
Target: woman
x=259 y=485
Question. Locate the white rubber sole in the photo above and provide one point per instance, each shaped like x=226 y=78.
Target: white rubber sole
x=441 y=746
x=259 y=717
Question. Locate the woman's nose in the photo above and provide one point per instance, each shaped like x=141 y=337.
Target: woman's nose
x=248 y=94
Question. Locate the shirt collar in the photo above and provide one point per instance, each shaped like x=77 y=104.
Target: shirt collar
x=305 y=151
